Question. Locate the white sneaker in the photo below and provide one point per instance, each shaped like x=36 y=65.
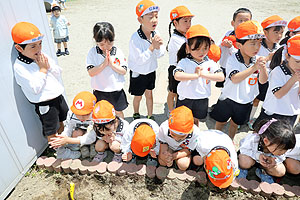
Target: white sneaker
x=100 y=157
x=65 y=153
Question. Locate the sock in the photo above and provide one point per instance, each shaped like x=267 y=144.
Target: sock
x=58 y=50
x=66 y=49
x=253 y=112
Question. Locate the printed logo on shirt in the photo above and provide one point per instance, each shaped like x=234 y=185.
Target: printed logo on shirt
x=184 y=144
x=252 y=81
x=79 y=104
x=207 y=81
x=117 y=61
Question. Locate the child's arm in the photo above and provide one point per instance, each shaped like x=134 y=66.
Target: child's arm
x=158 y=48
x=214 y=73
x=94 y=70
x=181 y=75
x=60 y=140
x=181 y=153
x=240 y=76
x=286 y=87
x=116 y=66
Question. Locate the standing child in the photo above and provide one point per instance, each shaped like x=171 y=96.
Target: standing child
x=60 y=24
x=266 y=147
x=39 y=78
x=292 y=161
x=241 y=86
x=195 y=71
x=181 y=19
x=106 y=64
x=178 y=138
x=145 y=47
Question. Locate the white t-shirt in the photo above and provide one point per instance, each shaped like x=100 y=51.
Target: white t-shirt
x=141 y=60
x=265 y=51
x=295 y=152
x=226 y=52
x=245 y=91
x=176 y=41
x=38 y=86
x=199 y=88
x=287 y=105
x=189 y=142
x=107 y=80
x=126 y=140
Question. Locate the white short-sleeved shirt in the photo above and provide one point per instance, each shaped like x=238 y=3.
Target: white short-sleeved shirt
x=141 y=60
x=210 y=139
x=38 y=86
x=245 y=91
x=265 y=51
x=107 y=80
x=189 y=142
x=60 y=26
x=251 y=146
x=287 y=105
x=295 y=152
x=176 y=41
x=199 y=88
x=226 y=52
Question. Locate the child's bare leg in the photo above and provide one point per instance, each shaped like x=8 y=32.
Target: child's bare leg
x=292 y=166
x=136 y=103
x=120 y=114
x=61 y=127
x=232 y=129
x=77 y=133
x=183 y=163
x=197 y=160
x=101 y=146
x=65 y=45
x=220 y=125
x=149 y=102
x=115 y=146
x=59 y=45
x=170 y=100
x=278 y=171
x=245 y=162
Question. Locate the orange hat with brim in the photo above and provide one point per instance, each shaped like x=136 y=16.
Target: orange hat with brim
x=83 y=103
x=214 y=52
x=249 y=30
x=145 y=7
x=197 y=30
x=181 y=121
x=142 y=140
x=293 y=47
x=180 y=11
x=26 y=33
x=103 y=112
x=294 y=24
x=218 y=167
x=274 y=20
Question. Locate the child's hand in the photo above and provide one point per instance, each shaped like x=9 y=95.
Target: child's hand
x=108 y=138
x=261 y=61
x=199 y=71
x=42 y=62
x=127 y=156
x=226 y=43
x=156 y=41
x=152 y=153
x=267 y=161
x=270 y=56
x=58 y=141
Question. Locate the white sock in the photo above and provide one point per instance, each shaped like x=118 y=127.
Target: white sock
x=253 y=112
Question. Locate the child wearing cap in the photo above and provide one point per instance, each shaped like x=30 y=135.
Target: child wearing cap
x=282 y=98
x=76 y=134
x=109 y=129
x=140 y=141
x=243 y=70
x=216 y=150
x=60 y=24
x=145 y=47
x=195 y=71
x=181 y=19
x=178 y=138
x=293 y=29
x=106 y=65
x=228 y=43
x=39 y=77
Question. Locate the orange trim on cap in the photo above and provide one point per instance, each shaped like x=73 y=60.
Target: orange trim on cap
x=197 y=30
x=180 y=11
x=274 y=20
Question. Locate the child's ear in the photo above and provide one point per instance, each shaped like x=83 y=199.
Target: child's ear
x=238 y=45
x=266 y=141
x=265 y=32
x=140 y=19
x=19 y=48
x=232 y=23
x=187 y=48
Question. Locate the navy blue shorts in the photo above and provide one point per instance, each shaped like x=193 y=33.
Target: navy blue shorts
x=172 y=82
x=199 y=107
x=138 y=85
x=60 y=40
x=117 y=98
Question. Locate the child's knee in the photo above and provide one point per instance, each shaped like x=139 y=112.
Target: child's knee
x=115 y=147
x=100 y=146
x=183 y=163
x=278 y=171
x=197 y=160
x=77 y=133
x=292 y=166
x=245 y=162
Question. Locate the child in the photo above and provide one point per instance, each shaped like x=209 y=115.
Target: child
x=293 y=29
x=195 y=71
x=60 y=24
x=216 y=150
x=266 y=147
x=228 y=43
x=109 y=129
x=241 y=86
x=145 y=47
x=140 y=141
x=106 y=64
x=76 y=134
x=282 y=98
x=292 y=161
x=273 y=29
x=181 y=19
x=39 y=78
x=178 y=138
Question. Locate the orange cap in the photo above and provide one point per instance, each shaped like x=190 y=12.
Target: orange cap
x=293 y=47
x=197 y=30
x=26 y=33
x=83 y=103
x=142 y=140
x=145 y=7
x=219 y=168
x=181 y=120
x=274 y=20
x=294 y=24
x=214 y=52
x=180 y=11
x=103 y=112
x=249 y=30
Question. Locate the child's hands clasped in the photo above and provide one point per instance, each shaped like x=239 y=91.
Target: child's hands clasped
x=58 y=141
x=157 y=41
x=199 y=71
x=267 y=161
x=42 y=62
x=226 y=43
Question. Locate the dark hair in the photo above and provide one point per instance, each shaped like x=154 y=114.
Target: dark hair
x=242 y=42
x=55 y=8
x=170 y=25
x=276 y=58
x=21 y=45
x=279 y=132
x=199 y=41
x=285 y=39
x=241 y=10
x=101 y=127
x=103 y=31
x=277 y=28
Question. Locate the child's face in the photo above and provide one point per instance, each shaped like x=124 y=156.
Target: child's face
x=56 y=13
x=149 y=21
x=293 y=63
x=31 y=50
x=177 y=137
x=251 y=47
x=199 y=53
x=183 y=24
x=105 y=45
x=83 y=118
x=273 y=148
x=272 y=35
x=240 y=18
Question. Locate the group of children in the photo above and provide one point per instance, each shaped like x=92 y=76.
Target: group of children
x=250 y=72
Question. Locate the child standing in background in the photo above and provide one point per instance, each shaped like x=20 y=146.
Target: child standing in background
x=106 y=64
x=145 y=47
x=60 y=24
x=181 y=19
x=195 y=71
x=293 y=29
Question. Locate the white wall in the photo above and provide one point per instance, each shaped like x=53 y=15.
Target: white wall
x=21 y=139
